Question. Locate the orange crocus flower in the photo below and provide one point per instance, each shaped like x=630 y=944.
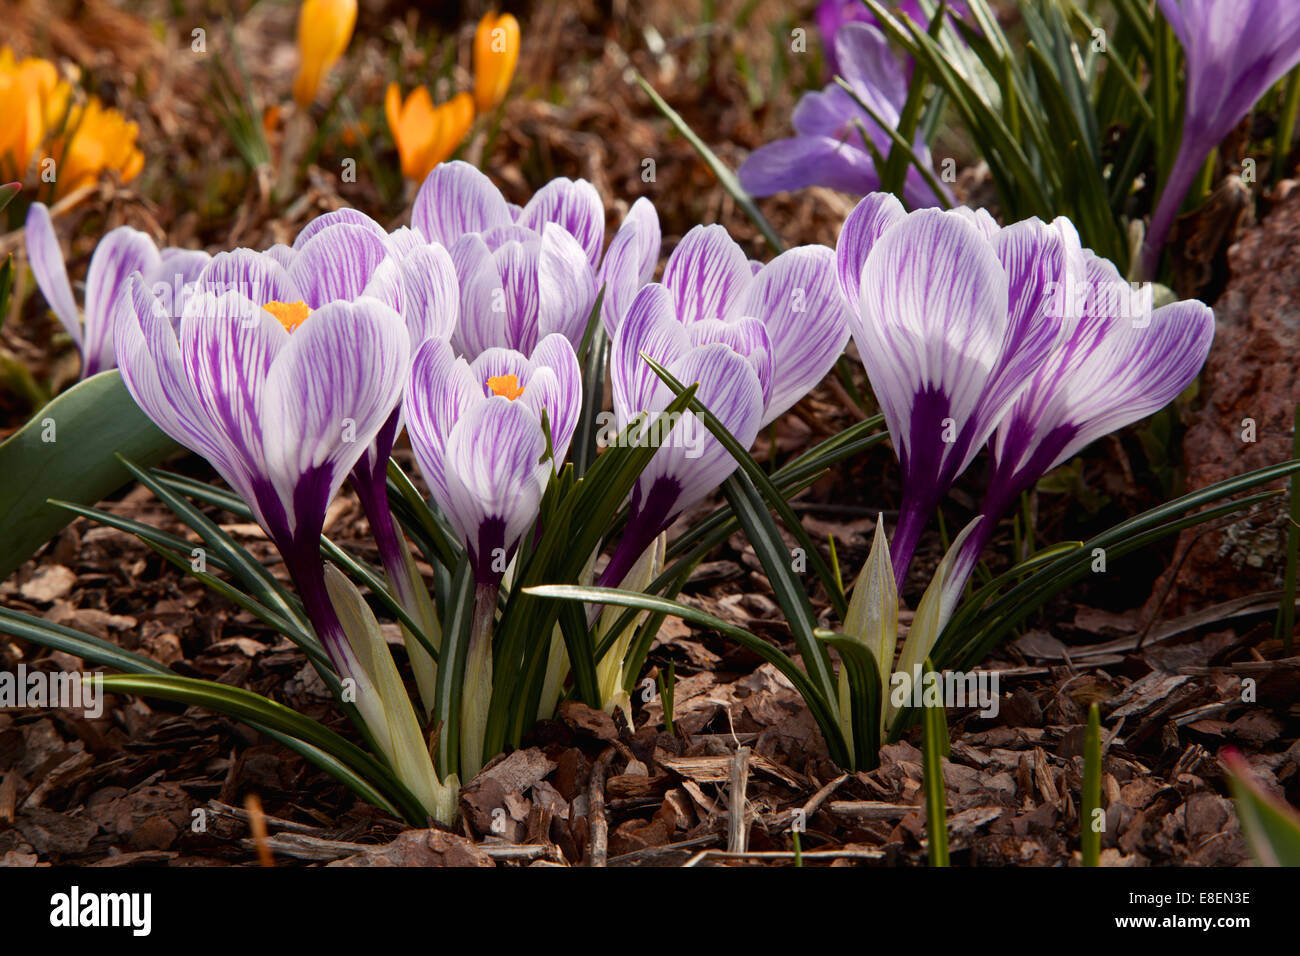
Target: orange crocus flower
x=324 y=29
x=496 y=53
x=426 y=134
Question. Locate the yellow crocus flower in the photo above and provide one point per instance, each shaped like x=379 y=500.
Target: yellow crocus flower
x=324 y=29
x=426 y=134
x=496 y=53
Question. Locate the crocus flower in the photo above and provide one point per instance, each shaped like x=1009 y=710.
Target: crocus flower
x=524 y=273
x=32 y=99
x=833 y=14
x=828 y=148
x=709 y=279
x=1120 y=363
x=496 y=52
x=1235 y=51
x=324 y=29
x=426 y=135
x=476 y=429
x=418 y=280
x=732 y=362
x=952 y=318
x=84 y=140
x=281 y=397
x=121 y=252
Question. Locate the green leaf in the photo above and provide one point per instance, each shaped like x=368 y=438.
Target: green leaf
x=861 y=676
x=818 y=704
x=1090 y=798
x=92 y=649
x=725 y=176
x=6 y=285
x=760 y=480
x=934 y=747
x=88 y=424
x=1271 y=828
x=262 y=712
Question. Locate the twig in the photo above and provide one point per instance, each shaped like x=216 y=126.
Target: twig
x=598 y=848
x=785 y=855
x=737 y=832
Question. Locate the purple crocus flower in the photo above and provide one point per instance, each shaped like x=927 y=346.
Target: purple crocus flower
x=418 y=280
x=952 y=318
x=476 y=429
x=733 y=364
x=833 y=14
x=709 y=279
x=1235 y=50
x=524 y=273
x=828 y=148
x=121 y=252
x=1120 y=363
x=281 y=397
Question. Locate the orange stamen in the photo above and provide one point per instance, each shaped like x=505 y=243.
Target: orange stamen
x=507 y=386
x=290 y=314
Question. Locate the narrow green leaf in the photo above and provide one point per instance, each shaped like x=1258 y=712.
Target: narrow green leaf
x=1090 y=798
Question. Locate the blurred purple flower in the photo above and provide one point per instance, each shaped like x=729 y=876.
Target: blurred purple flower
x=952 y=316
x=524 y=273
x=828 y=148
x=120 y=253
x=1119 y=363
x=1235 y=51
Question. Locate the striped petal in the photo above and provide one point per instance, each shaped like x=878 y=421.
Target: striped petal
x=440 y=390
x=258 y=277
x=119 y=255
x=431 y=304
x=629 y=262
x=337 y=263
x=575 y=205
x=796 y=298
x=934 y=319
x=708 y=275
x=330 y=389
x=864 y=225
x=690 y=457
x=747 y=338
x=554 y=382
x=566 y=286
x=494 y=480
x=46 y=259
x=650 y=329
x=456 y=199
x=345 y=215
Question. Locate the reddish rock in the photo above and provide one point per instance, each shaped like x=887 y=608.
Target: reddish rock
x=1252 y=374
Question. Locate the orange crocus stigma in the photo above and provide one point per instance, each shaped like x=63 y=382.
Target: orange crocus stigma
x=507 y=386
x=289 y=314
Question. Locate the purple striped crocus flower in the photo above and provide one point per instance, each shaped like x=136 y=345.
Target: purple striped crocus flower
x=1235 y=50
x=524 y=273
x=708 y=279
x=281 y=385
x=828 y=148
x=733 y=364
x=121 y=253
x=1121 y=362
x=476 y=429
x=952 y=316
